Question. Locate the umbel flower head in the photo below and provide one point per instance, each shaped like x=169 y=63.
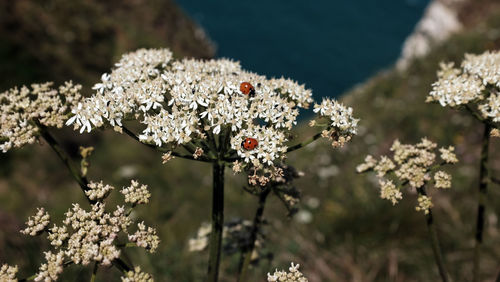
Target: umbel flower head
x=212 y=108
x=294 y=275
x=86 y=236
x=476 y=83
x=137 y=275
x=412 y=165
x=22 y=109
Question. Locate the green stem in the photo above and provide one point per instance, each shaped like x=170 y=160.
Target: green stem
x=485 y=121
x=163 y=150
x=305 y=143
x=246 y=255
x=32 y=277
x=483 y=189
x=61 y=153
x=94 y=272
x=217 y=222
x=121 y=265
x=436 y=249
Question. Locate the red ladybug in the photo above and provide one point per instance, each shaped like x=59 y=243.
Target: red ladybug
x=250 y=144
x=247 y=89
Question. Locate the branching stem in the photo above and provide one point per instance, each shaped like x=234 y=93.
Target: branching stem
x=63 y=155
x=304 y=143
x=163 y=150
x=246 y=255
x=436 y=249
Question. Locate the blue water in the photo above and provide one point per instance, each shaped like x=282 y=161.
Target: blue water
x=328 y=45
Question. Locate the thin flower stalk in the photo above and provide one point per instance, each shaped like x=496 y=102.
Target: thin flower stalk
x=64 y=157
x=483 y=191
x=436 y=247
x=246 y=254
x=217 y=222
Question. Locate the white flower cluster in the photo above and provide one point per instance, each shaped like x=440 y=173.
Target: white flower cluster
x=442 y=180
x=8 y=273
x=98 y=191
x=340 y=116
x=412 y=165
x=137 y=275
x=269 y=148
x=136 y=194
x=424 y=204
x=294 y=275
x=50 y=271
x=389 y=191
x=145 y=238
x=476 y=82
x=448 y=155
x=36 y=224
x=182 y=101
x=200 y=242
x=21 y=108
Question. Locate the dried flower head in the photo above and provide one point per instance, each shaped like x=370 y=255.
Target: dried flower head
x=21 y=110
x=145 y=238
x=442 y=179
x=448 y=155
x=370 y=163
x=57 y=235
x=136 y=194
x=137 y=275
x=476 y=83
x=98 y=191
x=197 y=153
x=87 y=236
x=37 y=223
x=495 y=132
x=165 y=158
x=93 y=233
x=294 y=275
x=424 y=204
x=8 y=273
x=50 y=270
x=411 y=165
x=389 y=191
x=200 y=103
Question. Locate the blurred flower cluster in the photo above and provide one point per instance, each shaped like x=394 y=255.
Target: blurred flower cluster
x=475 y=83
x=21 y=110
x=87 y=236
x=294 y=275
x=137 y=275
x=413 y=165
